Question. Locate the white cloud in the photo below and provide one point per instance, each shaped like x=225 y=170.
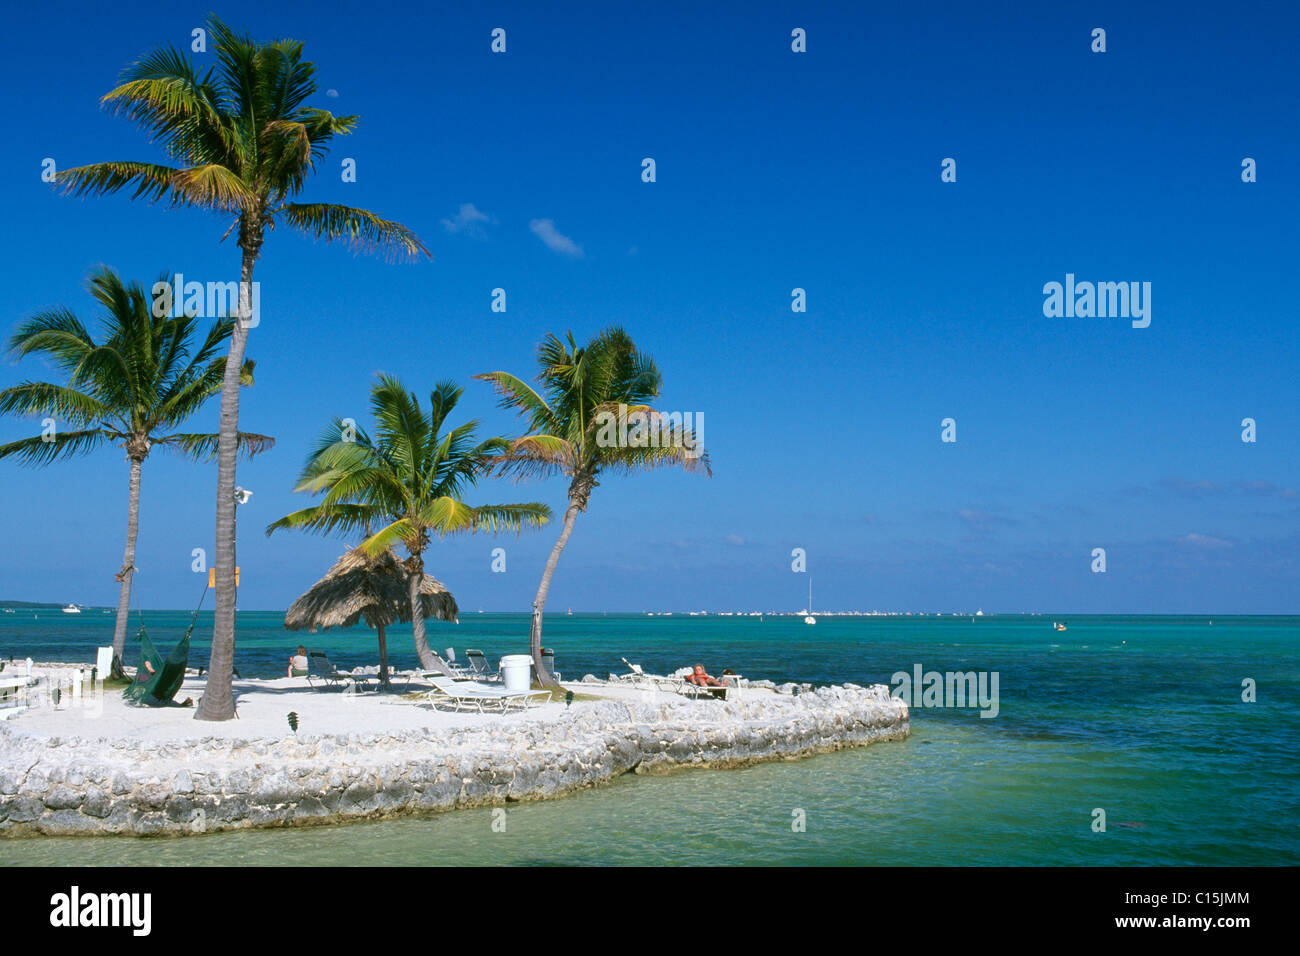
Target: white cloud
x=332 y=94
x=544 y=229
x=735 y=539
x=467 y=220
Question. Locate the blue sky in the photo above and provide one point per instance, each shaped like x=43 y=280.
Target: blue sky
x=775 y=170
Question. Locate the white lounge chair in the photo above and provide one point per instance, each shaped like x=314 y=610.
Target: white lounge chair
x=458 y=671
x=471 y=695
x=330 y=674
x=639 y=677
x=706 y=691
x=477 y=663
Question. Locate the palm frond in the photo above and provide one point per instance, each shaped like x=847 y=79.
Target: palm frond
x=213 y=186
x=58 y=401
x=152 y=181
x=203 y=447
x=363 y=231
x=325 y=520
x=40 y=450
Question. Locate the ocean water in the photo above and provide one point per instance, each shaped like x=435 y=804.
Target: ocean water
x=1141 y=717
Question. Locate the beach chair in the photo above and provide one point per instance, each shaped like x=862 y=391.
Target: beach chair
x=458 y=671
x=548 y=659
x=329 y=674
x=471 y=695
x=697 y=691
x=637 y=676
x=478 y=665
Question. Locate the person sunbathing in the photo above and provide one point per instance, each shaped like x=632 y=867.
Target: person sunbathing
x=700 y=678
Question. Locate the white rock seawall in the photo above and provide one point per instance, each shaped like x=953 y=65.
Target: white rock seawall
x=85 y=786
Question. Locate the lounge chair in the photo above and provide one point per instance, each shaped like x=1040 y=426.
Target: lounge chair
x=705 y=690
x=548 y=659
x=330 y=674
x=458 y=671
x=478 y=665
x=471 y=695
x=638 y=676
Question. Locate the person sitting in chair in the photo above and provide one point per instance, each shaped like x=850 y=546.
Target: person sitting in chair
x=702 y=679
x=298 y=664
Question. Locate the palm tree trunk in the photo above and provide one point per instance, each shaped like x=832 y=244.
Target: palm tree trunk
x=128 y=569
x=427 y=659
x=539 y=603
x=383 y=656
x=218 y=701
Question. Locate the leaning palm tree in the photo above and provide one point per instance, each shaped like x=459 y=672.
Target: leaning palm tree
x=408 y=482
x=142 y=380
x=243 y=139
x=578 y=429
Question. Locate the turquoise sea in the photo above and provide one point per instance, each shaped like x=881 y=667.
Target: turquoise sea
x=1142 y=717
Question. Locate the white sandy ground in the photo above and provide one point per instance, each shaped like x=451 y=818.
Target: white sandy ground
x=264 y=705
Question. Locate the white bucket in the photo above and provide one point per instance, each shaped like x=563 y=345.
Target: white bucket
x=516 y=671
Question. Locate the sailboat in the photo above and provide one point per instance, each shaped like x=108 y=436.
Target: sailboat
x=808 y=618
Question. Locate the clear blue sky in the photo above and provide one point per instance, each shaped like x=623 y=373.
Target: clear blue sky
x=775 y=170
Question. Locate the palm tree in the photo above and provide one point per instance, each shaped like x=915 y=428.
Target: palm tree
x=244 y=140
x=407 y=481
x=144 y=379
x=584 y=390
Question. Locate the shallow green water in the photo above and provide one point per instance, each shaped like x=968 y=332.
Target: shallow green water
x=1139 y=716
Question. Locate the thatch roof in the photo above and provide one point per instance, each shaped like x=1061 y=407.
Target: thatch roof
x=375 y=589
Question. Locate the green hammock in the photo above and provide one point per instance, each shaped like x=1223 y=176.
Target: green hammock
x=161 y=686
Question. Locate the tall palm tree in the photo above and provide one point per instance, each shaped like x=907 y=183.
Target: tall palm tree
x=407 y=481
x=583 y=390
x=244 y=140
x=144 y=379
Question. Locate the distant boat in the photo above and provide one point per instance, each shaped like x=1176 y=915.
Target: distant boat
x=570 y=612
x=71 y=609
x=808 y=618
x=1057 y=627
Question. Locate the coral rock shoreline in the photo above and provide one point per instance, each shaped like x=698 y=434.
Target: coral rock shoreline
x=78 y=786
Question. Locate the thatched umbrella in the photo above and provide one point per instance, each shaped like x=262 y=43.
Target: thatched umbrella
x=373 y=588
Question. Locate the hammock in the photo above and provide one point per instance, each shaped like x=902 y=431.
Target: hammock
x=157 y=689
x=161 y=686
